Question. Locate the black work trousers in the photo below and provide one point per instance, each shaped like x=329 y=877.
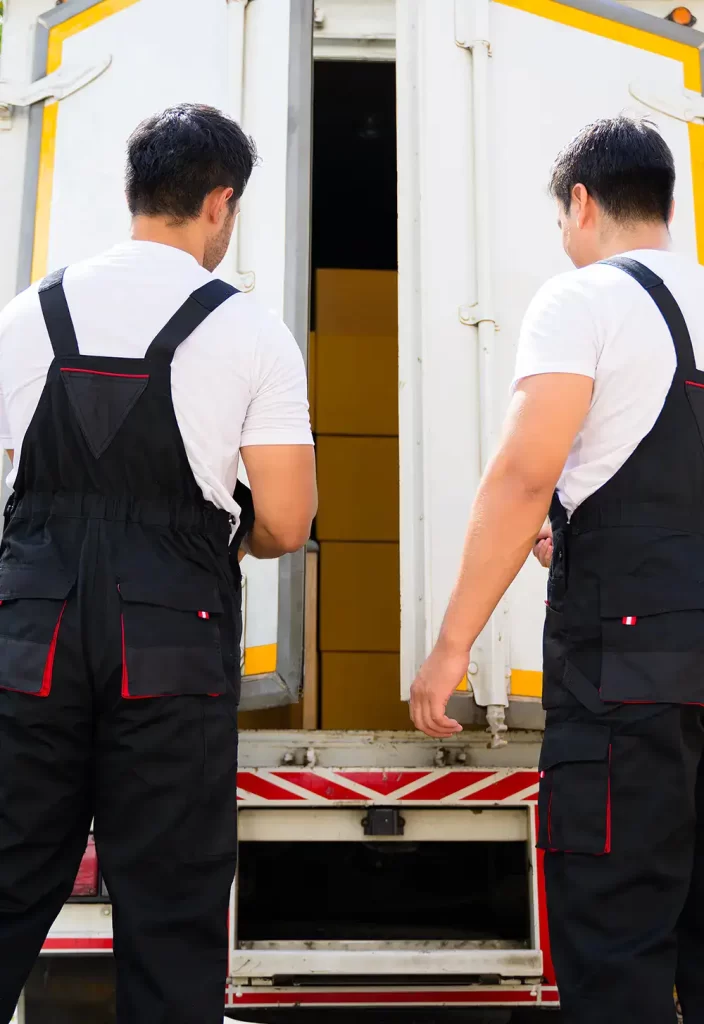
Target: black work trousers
x=159 y=778
x=625 y=861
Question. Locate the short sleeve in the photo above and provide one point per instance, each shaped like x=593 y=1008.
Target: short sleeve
x=5 y=433
x=278 y=410
x=559 y=333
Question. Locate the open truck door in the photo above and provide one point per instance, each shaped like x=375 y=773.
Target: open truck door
x=67 y=105
x=489 y=92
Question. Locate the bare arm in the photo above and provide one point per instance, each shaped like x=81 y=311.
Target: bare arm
x=544 y=417
x=11 y=455
x=283 y=485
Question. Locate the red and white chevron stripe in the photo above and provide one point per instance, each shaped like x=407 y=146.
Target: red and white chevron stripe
x=287 y=786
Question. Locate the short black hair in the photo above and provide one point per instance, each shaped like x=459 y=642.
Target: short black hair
x=177 y=157
x=625 y=165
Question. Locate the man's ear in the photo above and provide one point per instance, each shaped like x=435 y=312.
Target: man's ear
x=216 y=205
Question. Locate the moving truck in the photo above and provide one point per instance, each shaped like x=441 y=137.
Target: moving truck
x=399 y=222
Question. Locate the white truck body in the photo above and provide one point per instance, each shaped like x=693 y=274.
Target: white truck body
x=487 y=93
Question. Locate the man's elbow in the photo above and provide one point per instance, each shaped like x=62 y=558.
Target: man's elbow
x=527 y=484
x=292 y=540
x=290 y=536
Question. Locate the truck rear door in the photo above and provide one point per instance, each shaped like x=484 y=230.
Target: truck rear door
x=66 y=156
x=489 y=91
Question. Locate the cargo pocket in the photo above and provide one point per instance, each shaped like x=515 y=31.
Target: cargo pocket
x=575 y=789
x=171 y=639
x=31 y=609
x=652 y=641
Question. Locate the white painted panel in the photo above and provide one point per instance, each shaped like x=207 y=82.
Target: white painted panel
x=438 y=397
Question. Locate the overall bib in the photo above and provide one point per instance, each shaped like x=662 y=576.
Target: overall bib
x=120 y=627
x=622 y=771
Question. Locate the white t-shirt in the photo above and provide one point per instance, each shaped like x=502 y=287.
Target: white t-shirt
x=602 y=324
x=238 y=380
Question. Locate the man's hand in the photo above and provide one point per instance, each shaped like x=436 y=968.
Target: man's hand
x=542 y=549
x=437 y=680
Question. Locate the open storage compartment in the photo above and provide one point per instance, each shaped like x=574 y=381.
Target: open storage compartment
x=339 y=902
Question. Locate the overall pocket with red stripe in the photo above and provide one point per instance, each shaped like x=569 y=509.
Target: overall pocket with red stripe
x=171 y=638
x=32 y=604
x=574 y=800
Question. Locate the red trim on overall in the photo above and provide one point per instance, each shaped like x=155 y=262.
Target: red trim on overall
x=104 y=373
x=125 y=680
x=607 y=844
x=543 y=924
x=49 y=665
x=694 y=384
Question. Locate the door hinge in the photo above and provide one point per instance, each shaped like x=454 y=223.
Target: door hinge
x=471 y=316
x=57 y=86
x=683 y=105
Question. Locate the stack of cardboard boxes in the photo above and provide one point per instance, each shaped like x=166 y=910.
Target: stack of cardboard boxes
x=354 y=389
x=353 y=384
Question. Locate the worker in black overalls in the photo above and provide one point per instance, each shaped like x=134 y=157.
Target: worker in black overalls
x=609 y=403
x=120 y=624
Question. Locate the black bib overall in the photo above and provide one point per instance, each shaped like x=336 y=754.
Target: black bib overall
x=622 y=769
x=120 y=623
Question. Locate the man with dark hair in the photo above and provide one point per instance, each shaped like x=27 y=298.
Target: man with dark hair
x=129 y=386
x=607 y=412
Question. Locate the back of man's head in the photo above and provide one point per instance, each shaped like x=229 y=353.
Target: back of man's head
x=624 y=163
x=614 y=185
x=176 y=158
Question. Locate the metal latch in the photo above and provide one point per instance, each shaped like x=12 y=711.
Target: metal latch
x=383 y=821
x=683 y=105
x=57 y=86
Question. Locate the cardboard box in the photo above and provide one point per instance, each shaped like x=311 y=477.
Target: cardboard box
x=356 y=302
x=362 y=691
x=356 y=384
x=360 y=603
x=358 y=487
x=312 y=368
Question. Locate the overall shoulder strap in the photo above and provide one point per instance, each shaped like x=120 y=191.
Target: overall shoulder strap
x=664 y=300
x=57 y=317
x=190 y=315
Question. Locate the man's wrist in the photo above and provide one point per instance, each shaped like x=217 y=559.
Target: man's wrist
x=453 y=646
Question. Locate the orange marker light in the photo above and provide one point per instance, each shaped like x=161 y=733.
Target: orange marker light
x=682 y=16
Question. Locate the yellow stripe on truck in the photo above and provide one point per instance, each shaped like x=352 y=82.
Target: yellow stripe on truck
x=47 y=152
x=525 y=683
x=688 y=56
x=259 y=661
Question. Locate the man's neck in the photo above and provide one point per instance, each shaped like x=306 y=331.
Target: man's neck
x=164 y=232
x=640 y=236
